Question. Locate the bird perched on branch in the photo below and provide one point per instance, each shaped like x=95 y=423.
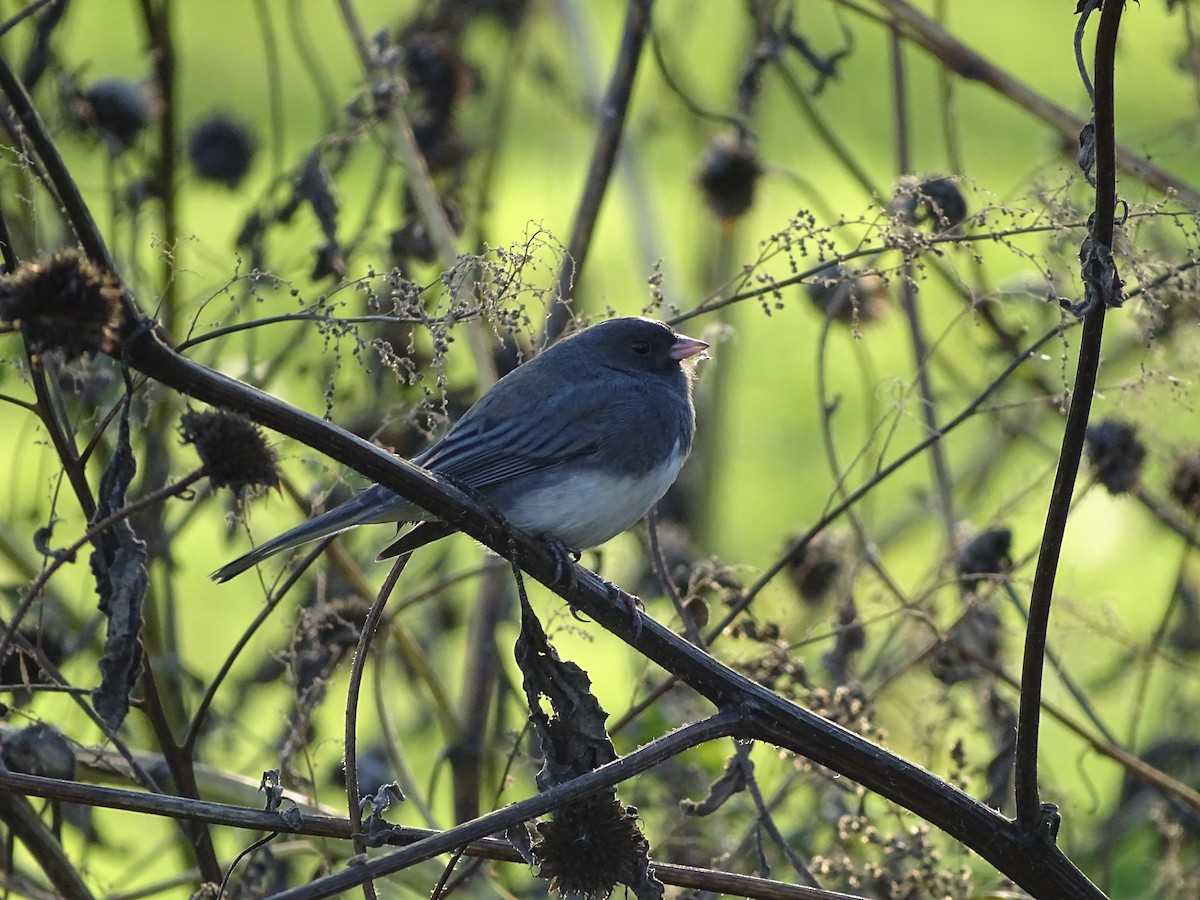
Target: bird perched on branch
x=574 y=446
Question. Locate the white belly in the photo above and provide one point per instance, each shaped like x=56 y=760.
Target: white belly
x=587 y=509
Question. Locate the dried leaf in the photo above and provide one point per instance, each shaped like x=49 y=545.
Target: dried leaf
x=572 y=738
x=732 y=781
x=119 y=566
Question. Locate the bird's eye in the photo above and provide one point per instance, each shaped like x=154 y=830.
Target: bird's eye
x=641 y=348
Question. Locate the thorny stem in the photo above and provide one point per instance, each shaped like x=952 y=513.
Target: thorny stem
x=1030 y=814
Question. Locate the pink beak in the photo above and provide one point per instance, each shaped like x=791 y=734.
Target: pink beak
x=685 y=346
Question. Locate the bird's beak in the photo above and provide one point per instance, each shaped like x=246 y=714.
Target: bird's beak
x=685 y=347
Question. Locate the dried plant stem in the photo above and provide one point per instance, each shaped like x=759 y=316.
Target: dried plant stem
x=613 y=111
x=358 y=666
x=1030 y=813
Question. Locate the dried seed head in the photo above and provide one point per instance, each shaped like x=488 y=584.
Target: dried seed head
x=64 y=303
x=118 y=110
x=1185 y=482
x=728 y=174
x=589 y=847
x=815 y=572
x=847 y=296
x=937 y=201
x=39 y=750
x=984 y=556
x=1116 y=454
x=221 y=149
x=232 y=450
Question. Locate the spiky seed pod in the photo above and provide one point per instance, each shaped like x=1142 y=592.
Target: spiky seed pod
x=815 y=572
x=63 y=303
x=1185 y=482
x=1116 y=454
x=221 y=149
x=589 y=847
x=232 y=449
x=936 y=201
x=985 y=556
x=728 y=174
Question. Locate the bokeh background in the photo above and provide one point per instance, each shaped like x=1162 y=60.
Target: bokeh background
x=795 y=407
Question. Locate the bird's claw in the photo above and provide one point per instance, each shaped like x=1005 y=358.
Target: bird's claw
x=565 y=558
x=630 y=603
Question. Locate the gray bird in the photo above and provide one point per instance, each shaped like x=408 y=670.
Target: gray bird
x=575 y=445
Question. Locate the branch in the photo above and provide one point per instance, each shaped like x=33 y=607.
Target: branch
x=27 y=825
x=968 y=64
x=613 y=111
x=1030 y=813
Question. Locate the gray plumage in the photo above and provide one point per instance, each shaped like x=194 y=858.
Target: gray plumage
x=577 y=444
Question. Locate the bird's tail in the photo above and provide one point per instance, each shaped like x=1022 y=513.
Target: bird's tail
x=374 y=505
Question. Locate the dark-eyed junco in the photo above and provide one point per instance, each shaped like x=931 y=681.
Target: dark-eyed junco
x=575 y=445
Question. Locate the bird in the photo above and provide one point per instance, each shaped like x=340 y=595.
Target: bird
x=574 y=446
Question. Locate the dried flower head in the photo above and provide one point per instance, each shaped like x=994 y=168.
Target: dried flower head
x=728 y=174
x=64 y=303
x=936 y=201
x=232 y=450
x=221 y=149
x=117 y=110
x=39 y=750
x=1185 y=482
x=984 y=556
x=591 y=846
x=847 y=296
x=1116 y=454
x=815 y=571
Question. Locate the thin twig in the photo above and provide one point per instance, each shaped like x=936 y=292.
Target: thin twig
x=604 y=777
x=942 y=485
x=424 y=192
x=612 y=114
x=25 y=824
x=182 y=768
x=354 y=688
x=12 y=783
x=951 y=52
x=62 y=557
x=200 y=716
x=12 y=21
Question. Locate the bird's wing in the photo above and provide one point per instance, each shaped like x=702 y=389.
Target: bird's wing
x=510 y=435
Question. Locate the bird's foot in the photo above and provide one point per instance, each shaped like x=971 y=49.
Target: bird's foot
x=565 y=558
x=630 y=603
